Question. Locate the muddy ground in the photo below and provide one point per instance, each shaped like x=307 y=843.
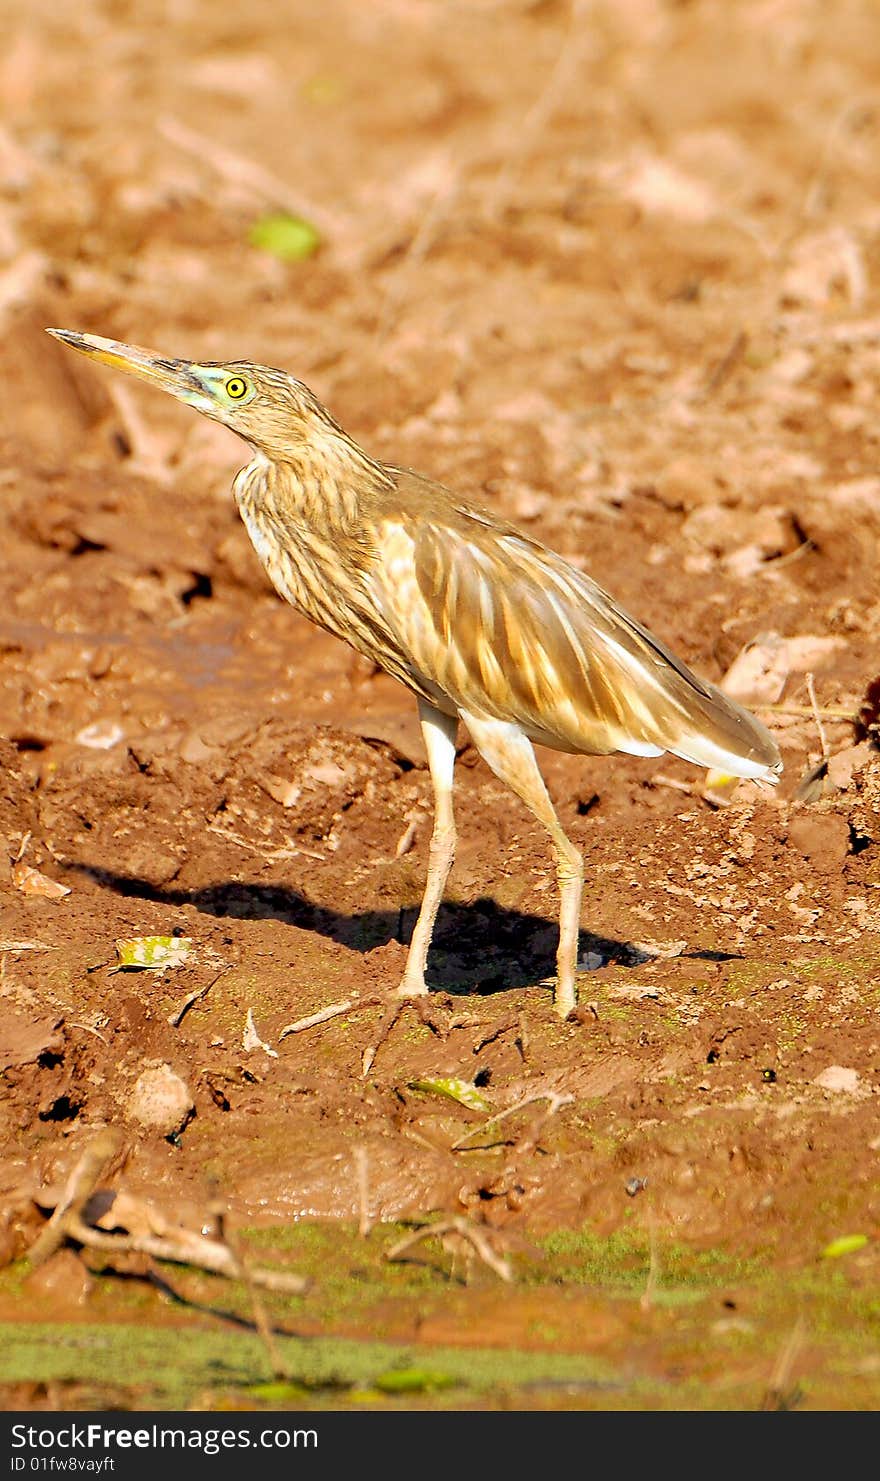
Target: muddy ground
x=612 y=270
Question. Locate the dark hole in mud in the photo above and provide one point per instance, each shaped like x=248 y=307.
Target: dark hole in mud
x=858 y=842
x=713 y=1056
x=83 y=546
x=586 y=804
x=201 y=589
x=28 y=743
x=63 y=1109
x=48 y=1060
x=482 y=1077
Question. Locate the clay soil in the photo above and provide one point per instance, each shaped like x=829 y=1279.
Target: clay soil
x=612 y=270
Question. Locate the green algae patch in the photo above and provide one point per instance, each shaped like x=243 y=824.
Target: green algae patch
x=619 y=1263
x=173 y=1367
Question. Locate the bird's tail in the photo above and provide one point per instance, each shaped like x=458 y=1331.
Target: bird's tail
x=716 y=732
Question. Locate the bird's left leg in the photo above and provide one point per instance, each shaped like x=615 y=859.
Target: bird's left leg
x=439 y=732
x=509 y=753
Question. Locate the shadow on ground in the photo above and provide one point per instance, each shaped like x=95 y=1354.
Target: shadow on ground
x=479 y=946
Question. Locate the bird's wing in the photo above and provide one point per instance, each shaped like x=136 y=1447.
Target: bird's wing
x=506 y=628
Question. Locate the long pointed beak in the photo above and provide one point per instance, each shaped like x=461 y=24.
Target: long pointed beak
x=174 y=376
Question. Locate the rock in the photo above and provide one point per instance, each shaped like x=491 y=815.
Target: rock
x=822 y=838
x=686 y=483
x=160 y=1100
x=838 y=1077
x=62 y=1281
x=843 y=764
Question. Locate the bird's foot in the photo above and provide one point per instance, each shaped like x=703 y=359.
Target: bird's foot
x=397 y=1000
x=564 y=999
x=421 y=1006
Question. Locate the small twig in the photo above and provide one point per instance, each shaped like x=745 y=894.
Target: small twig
x=250 y=1039
x=274 y=855
x=646 y=1300
x=185 y=1248
x=538 y=115
x=323 y=1015
x=660 y=779
x=413 y=819
x=552 y=1096
x=245 y=1274
x=823 y=739
x=827 y=713
x=177 y=1017
x=361 y=1167
x=420 y=244
x=790 y=556
x=466 y=1231
x=779 y=1394
x=78 y=1189
x=725 y=367
x=256 y=181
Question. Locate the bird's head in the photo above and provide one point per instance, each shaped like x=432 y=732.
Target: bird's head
x=271 y=410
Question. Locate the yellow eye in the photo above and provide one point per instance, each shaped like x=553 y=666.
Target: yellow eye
x=236 y=387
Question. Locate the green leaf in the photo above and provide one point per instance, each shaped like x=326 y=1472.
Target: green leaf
x=276 y=1393
x=464 y=1091
x=152 y=953
x=845 y=1245
x=290 y=238
x=411 y=1381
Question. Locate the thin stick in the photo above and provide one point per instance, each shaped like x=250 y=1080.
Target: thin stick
x=827 y=713
x=646 y=1300
x=185 y=1248
x=261 y=1320
x=361 y=1167
x=177 y=1017
x=253 y=178
x=275 y=855
x=78 y=1189
x=778 y=1395
x=539 y=113
x=555 y=1102
x=725 y=367
x=823 y=739
x=466 y=1231
x=420 y=244
x=322 y=1016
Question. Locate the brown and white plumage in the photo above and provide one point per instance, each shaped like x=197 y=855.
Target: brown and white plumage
x=481 y=622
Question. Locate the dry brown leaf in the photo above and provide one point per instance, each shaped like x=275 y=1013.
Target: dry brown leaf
x=31 y=882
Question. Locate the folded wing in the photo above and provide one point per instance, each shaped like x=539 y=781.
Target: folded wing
x=501 y=626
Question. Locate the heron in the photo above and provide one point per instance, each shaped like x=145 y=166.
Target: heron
x=481 y=622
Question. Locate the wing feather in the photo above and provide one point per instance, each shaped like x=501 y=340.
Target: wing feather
x=499 y=625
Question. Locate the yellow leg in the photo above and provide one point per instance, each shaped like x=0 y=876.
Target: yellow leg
x=439 y=732
x=510 y=755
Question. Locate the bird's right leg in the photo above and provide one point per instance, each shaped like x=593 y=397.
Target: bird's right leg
x=439 y=732
x=509 y=753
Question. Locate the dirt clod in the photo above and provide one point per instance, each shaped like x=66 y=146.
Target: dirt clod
x=160 y=1100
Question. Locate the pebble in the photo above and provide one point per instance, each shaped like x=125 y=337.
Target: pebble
x=160 y=1100
x=838 y=1077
